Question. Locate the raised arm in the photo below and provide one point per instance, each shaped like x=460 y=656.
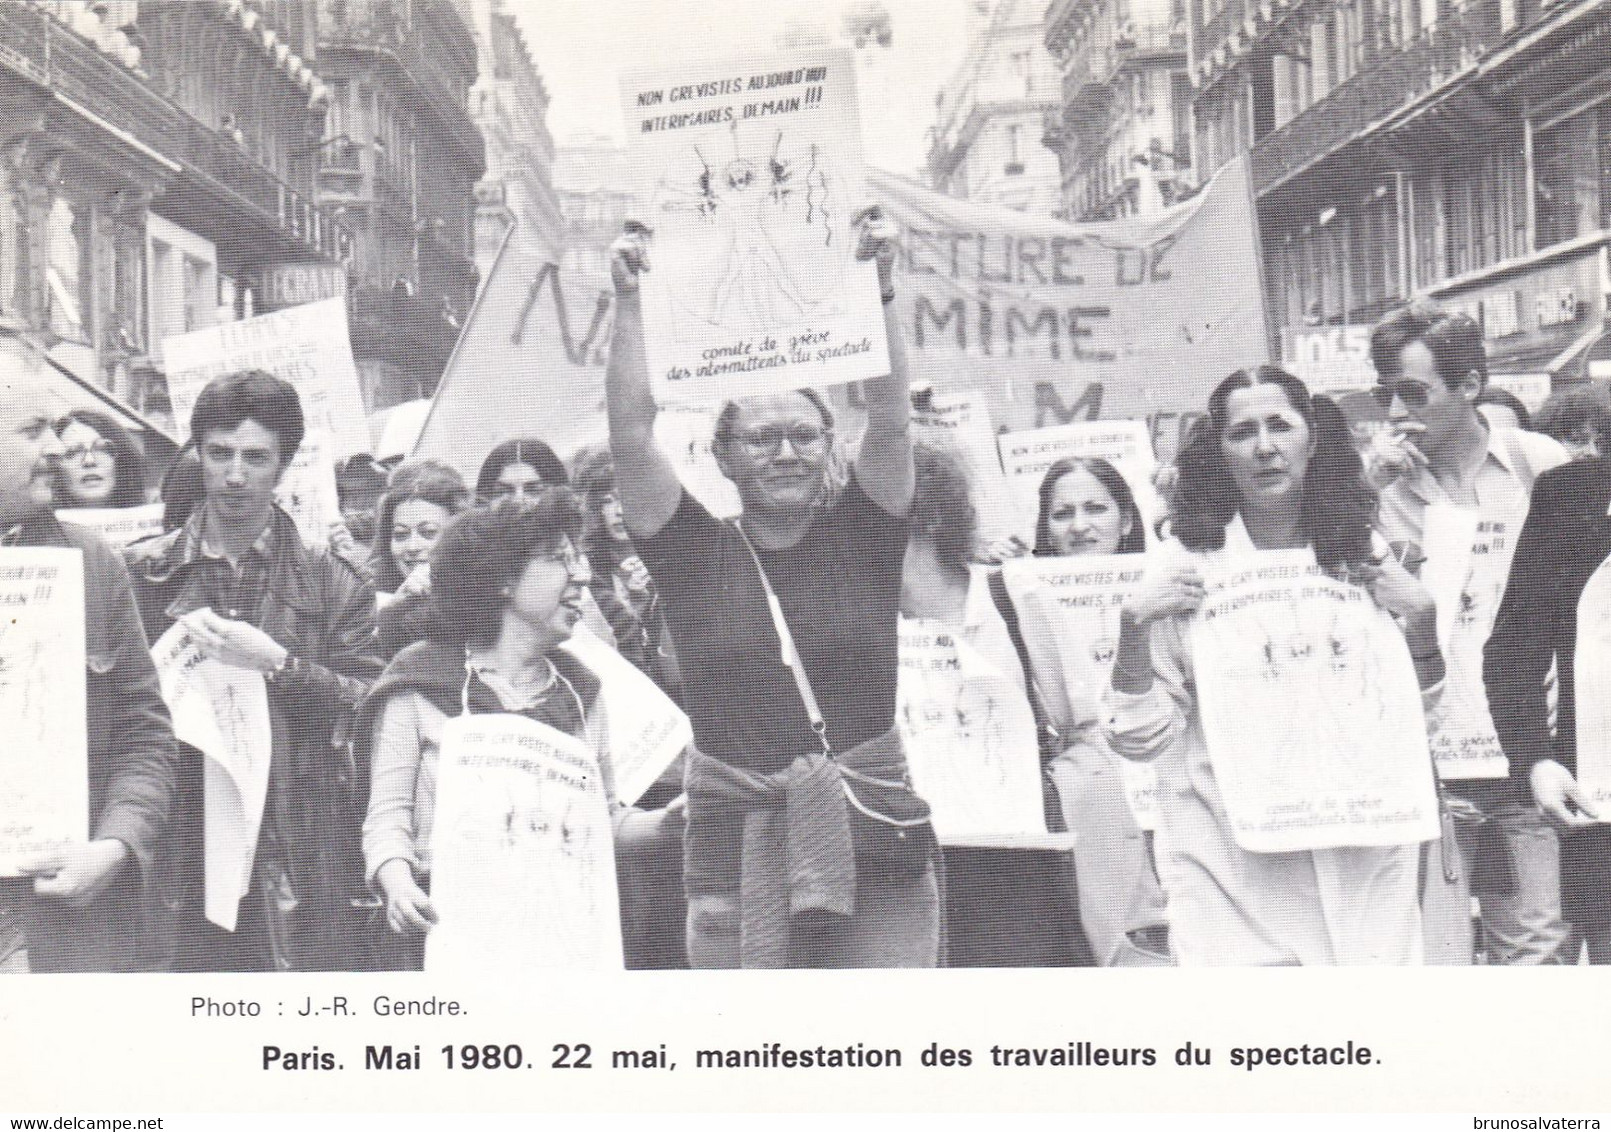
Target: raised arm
x=649 y=487
x=884 y=464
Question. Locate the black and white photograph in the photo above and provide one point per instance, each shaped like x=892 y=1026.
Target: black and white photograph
x=532 y=509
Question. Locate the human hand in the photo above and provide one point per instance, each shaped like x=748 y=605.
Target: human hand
x=1000 y=550
x=78 y=872
x=876 y=236
x=1399 y=592
x=629 y=257
x=418 y=582
x=1165 y=478
x=1392 y=452
x=341 y=540
x=1559 y=795
x=1167 y=593
x=634 y=574
x=408 y=909
x=235 y=643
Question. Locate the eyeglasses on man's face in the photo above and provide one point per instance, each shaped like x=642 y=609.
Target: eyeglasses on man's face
x=767 y=440
x=1413 y=393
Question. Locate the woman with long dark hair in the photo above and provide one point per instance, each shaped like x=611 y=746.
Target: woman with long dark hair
x=1272 y=468
x=520 y=467
x=1088 y=508
x=101 y=464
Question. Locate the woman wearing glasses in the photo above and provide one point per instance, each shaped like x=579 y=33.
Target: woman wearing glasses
x=806 y=846
x=1271 y=469
x=507 y=588
x=101 y=465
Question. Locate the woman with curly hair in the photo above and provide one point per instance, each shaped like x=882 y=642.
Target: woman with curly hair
x=418 y=503
x=508 y=584
x=1272 y=468
x=1004 y=907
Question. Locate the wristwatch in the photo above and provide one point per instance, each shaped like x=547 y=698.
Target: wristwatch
x=290 y=666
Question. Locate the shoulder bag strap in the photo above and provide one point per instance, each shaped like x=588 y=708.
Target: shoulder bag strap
x=790 y=655
x=1048 y=735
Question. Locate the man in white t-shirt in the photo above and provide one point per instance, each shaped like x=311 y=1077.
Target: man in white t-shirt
x=1454 y=494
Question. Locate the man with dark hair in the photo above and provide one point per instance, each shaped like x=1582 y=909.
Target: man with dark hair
x=1456 y=493
x=785 y=624
x=253 y=596
x=78 y=907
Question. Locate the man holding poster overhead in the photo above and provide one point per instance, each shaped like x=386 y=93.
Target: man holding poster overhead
x=77 y=906
x=239 y=580
x=804 y=846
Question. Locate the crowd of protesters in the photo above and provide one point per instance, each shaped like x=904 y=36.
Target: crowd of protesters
x=789 y=832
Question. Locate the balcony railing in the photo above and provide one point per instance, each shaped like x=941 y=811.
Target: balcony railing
x=1395 y=79
x=391 y=27
x=1147 y=41
x=1059 y=21
x=33 y=43
x=1088 y=72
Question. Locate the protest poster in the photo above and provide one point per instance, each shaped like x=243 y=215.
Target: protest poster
x=221 y=711
x=1310 y=708
x=305 y=345
x=1467 y=565
x=44 y=767
x=1592 y=690
x=117 y=526
x=752 y=173
x=1045 y=321
x=647 y=729
x=959 y=423
x=1083 y=596
x=1027 y=455
x=523 y=855
x=970 y=742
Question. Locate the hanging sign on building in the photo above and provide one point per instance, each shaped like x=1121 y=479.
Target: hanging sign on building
x=282 y=285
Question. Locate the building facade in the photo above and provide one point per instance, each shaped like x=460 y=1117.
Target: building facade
x=1403 y=148
x=399 y=161
x=154 y=172
x=989 y=118
x=510 y=105
x=1122 y=128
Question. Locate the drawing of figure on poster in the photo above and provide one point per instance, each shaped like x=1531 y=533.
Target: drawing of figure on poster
x=523 y=869
x=784 y=248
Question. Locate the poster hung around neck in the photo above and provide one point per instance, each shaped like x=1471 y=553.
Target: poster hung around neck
x=1466 y=568
x=44 y=768
x=1310 y=709
x=970 y=742
x=1084 y=596
x=523 y=858
x=752 y=173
